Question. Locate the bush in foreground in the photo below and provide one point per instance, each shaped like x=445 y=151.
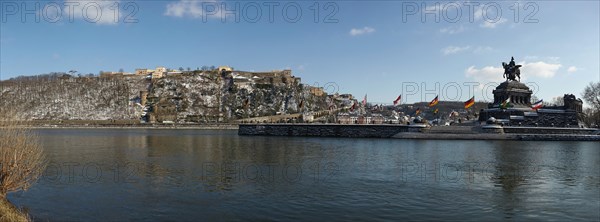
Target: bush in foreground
x=9 y=213
x=21 y=163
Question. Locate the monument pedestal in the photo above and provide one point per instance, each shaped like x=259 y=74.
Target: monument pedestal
x=518 y=112
x=517 y=93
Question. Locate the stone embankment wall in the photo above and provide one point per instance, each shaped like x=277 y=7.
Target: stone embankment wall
x=325 y=130
x=418 y=132
x=549 y=130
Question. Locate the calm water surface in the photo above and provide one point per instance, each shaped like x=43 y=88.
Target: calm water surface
x=206 y=175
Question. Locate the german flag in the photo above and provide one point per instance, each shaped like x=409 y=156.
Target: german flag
x=505 y=104
x=434 y=101
x=418 y=111
x=470 y=102
x=436 y=111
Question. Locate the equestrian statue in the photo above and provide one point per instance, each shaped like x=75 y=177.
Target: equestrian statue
x=511 y=70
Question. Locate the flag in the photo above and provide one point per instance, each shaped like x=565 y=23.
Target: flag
x=434 y=101
x=418 y=111
x=436 y=111
x=397 y=101
x=364 y=102
x=353 y=106
x=505 y=104
x=537 y=104
x=470 y=102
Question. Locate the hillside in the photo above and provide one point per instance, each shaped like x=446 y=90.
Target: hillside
x=200 y=96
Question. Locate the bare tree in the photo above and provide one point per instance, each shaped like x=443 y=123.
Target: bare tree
x=591 y=95
x=534 y=99
x=556 y=101
x=21 y=156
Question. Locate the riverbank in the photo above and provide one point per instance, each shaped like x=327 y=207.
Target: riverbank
x=490 y=136
x=421 y=131
x=140 y=126
x=10 y=213
x=126 y=124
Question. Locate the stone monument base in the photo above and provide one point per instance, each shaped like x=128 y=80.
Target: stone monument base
x=529 y=117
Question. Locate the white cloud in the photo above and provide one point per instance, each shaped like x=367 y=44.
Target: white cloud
x=102 y=12
x=453 y=30
x=489 y=19
x=572 y=69
x=485 y=75
x=192 y=8
x=539 y=69
x=492 y=24
x=454 y=49
x=495 y=73
x=361 y=31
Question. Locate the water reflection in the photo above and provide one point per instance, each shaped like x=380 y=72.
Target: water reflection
x=139 y=174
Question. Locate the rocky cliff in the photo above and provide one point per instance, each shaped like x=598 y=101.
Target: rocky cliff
x=206 y=96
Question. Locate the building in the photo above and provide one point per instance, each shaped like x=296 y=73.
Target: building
x=143 y=71
x=317 y=91
x=161 y=69
x=225 y=68
x=160 y=72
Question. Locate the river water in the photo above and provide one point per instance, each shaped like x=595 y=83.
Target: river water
x=212 y=175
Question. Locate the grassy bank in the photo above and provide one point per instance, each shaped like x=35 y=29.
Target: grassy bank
x=9 y=213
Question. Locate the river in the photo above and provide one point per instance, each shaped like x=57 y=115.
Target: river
x=216 y=175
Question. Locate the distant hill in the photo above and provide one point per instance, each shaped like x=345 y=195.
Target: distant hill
x=202 y=96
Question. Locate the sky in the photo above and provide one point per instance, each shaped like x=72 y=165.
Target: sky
x=382 y=49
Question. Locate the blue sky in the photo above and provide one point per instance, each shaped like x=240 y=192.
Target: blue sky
x=379 y=48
